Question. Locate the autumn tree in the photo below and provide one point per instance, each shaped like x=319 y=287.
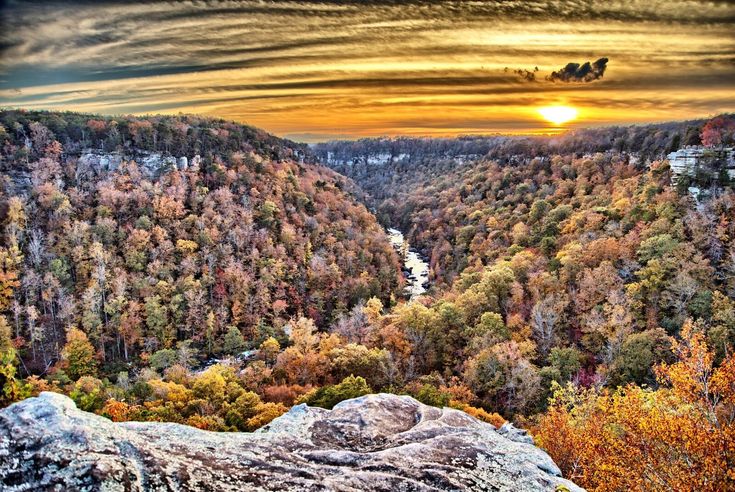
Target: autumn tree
x=719 y=131
x=233 y=341
x=269 y=350
x=678 y=437
x=12 y=388
x=78 y=355
x=503 y=378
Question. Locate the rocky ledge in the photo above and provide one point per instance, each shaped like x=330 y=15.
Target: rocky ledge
x=377 y=442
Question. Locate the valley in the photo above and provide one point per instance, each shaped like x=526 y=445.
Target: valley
x=367 y=245
x=231 y=276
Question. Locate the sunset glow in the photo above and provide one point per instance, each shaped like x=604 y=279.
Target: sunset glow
x=558 y=114
x=318 y=70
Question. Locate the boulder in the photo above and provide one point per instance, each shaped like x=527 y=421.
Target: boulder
x=376 y=442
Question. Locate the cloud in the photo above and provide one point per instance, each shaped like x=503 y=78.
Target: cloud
x=341 y=67
x=524 y=74
x=574 y=72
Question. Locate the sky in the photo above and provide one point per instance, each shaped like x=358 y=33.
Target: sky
x=314 y=71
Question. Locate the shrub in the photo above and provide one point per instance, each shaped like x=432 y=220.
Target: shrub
x=329 y=396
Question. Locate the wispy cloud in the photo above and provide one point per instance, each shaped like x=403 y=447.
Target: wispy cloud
x=359 y=68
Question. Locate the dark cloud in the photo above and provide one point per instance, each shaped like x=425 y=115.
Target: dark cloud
x=574 y=72
x=524 y=74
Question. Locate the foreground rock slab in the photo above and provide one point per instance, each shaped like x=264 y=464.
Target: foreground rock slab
x=377 y=442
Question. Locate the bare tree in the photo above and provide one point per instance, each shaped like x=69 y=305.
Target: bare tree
x=545 y=317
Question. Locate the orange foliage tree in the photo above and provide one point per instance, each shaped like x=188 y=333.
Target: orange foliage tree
x=678 y=437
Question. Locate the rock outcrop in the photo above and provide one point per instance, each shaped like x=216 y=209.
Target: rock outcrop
x=376 y=442
x=691 y=161
x=150 y=164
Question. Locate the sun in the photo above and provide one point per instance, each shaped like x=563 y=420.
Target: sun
x=558 y=114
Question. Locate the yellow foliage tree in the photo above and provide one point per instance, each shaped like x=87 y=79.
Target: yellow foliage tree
x=78 y=355
x=678 y=437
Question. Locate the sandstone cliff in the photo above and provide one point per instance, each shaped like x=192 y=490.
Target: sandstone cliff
x=377 y=442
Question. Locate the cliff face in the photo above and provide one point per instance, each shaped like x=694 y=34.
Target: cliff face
x=150 y=164
x=92 y=163
x=377 y=442
x=695 y=161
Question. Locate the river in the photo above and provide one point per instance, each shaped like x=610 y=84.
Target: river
x=414 y=267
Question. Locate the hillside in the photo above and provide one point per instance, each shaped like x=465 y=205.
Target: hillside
x=568 y=261
x=585 y=253
x=429 y=187
x=578 y=293
x=146 y=233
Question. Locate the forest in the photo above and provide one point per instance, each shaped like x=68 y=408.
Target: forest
x=575 y=290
